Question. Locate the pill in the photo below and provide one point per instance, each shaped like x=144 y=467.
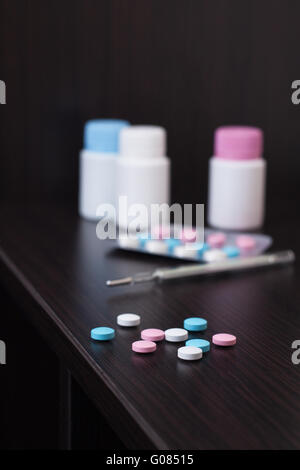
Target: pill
x=160 y=232
x=143 y=238
x=128 y=319
x=172 y=243
x=182 y=251
x=153 y=334
x=102 y=333
x=143 y=347
x=188 y=235
x=231 y=251
x=189 y=353
x=128 y=242
x=175 y=335
x=211 y=256
x=216 y=240
x=199 y=343
x=245 y=242
x=224 y=339
x=157 y=247
x=195 y=324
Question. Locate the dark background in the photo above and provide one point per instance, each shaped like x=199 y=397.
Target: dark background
x=188 y=65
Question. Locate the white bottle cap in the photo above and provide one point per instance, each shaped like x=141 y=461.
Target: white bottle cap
x=143 y=141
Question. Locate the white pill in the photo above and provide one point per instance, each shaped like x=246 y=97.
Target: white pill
x=128 y=319
x=184 y=251
x=176 y=335
x=129 y=242
x=157 y=247
x=189 y=353
x=212 y=256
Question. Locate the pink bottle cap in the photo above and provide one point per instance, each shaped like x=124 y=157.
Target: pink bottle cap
x=216 y=240
x=153 y=334
x=143 y=347
x=223 y=339
x=245 y=242
x=238 y=142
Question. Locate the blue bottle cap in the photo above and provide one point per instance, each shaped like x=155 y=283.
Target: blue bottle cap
x=102 y=333
x=199 y=343
x=102 y=135
x=195 y=324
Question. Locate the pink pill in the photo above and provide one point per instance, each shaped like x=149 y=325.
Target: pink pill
x=143 y=347
x=153 y=334
x=245 y=242
x=188 y=235
x=216 y=240
x=161 y=232
x=223 y=339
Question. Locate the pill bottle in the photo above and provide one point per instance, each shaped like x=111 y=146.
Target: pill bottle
x=237 y=172
x=143 y=173
x=97 y=165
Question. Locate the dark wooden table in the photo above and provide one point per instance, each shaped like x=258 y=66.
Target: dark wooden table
x=244 y=397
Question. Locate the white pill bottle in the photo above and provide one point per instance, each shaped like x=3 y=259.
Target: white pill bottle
x=237 y=174
x=143 y=174
x=97 y=165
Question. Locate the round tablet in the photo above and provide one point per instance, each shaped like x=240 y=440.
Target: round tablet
x=216 y=240
x=157 y=247
x=245 y=242
x=189 y=353
x=188 y=235
x=128 y=242
x=195 y=324
x=211 y=256
x=182 y=251
x=231 y=251
x=143 y=347
x=153 y=334
x=199 y=343
x=128 y=319
x=223 y=339
x=175 y=335
x=102 y=333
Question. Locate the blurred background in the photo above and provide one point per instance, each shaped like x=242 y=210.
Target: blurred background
x=189 y=66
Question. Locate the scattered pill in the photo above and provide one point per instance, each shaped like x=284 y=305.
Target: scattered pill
x=231 y=251
x=182 y=251
x=195 y=324
x=245 y=242
x=212 y=256
x=143 y=238
x=102 y=333
x=153 y=334
x=189 y=353
x=188 y=235
x=216 y=240
x=161 y=231
x=128 y=242
x=143 y=347
x=175 y=335
x=199 y=343
x=224 y=339
x=156 y=246
x=128 y=319
x=172 y=243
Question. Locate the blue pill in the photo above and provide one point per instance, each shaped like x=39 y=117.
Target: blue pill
x=202 y=249
x=172 y=243
x=231 y=251
x=195 y=324
x=102 y=333
x=199 y=343
x=143 y=238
